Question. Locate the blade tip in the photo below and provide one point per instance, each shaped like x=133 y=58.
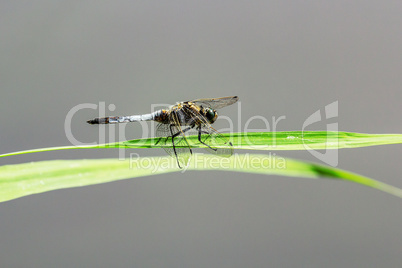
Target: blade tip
x=97 y=121
x=93 y=121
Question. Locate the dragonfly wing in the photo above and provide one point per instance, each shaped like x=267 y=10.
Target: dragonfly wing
x=177 y=146
x=216 y=103
x=216 y=142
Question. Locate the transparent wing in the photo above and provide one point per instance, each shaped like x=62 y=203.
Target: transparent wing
x=173 y=141
x=217 y=143
x=216 y=103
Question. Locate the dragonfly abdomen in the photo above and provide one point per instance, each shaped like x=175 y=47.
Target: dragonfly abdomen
x=125 y=119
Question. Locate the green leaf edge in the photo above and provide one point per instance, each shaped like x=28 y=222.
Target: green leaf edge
x=285 y=140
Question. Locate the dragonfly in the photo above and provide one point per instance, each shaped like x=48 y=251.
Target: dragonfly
x=180 y=120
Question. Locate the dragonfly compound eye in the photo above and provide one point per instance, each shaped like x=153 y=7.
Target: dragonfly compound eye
x=211 y=115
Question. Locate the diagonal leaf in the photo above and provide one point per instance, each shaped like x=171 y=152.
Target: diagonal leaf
x=25 y=179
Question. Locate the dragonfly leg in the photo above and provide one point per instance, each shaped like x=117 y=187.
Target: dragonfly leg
x=184 y=131
x=174 y=136
x=199 y=138
x=178 y=133
x=158 y=140
x=174 y=147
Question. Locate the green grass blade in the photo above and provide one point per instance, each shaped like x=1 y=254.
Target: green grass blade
x=289 y=140
x=25 y=179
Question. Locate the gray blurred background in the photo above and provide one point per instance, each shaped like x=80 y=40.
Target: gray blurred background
x=286 y=58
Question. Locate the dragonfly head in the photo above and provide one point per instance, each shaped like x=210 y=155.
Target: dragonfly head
x=211 y=115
